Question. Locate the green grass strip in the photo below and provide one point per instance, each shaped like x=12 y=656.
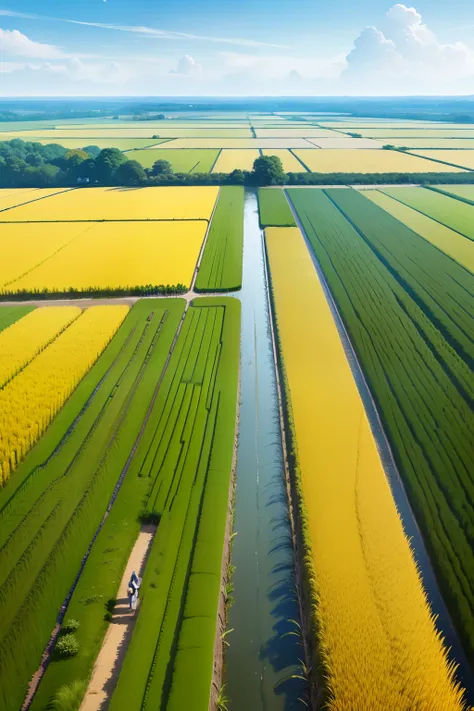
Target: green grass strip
x=221 y=265
x=10 y=314
x=274 y=209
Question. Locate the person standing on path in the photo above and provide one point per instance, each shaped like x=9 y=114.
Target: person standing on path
x=133 y=587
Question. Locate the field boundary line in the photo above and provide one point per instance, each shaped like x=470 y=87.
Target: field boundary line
x=96 y=222
x=292 y=151
x=204 y=242
x=37 y=199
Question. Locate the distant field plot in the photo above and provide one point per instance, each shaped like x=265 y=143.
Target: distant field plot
x=385 y=124
x=274 y=209
x=123 y=144
x=117 y=255
x=156 y=203
x=87 y=135
x=290 y=163
x=290 y=132
x=221 y=265
x=444 y=143
x=143 y=131
x=450 y=212
x=465 y=192
x=415 y=133
x=368 y=161
x=448 y=241
x=464 y=159
x=230 y=160
x=11 y=314
x=340 y=141
x=199 y=160
x=164 y=125
x=11 y=198
x=237 y=143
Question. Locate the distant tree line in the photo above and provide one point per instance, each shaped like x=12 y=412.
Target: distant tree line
x=25 y=164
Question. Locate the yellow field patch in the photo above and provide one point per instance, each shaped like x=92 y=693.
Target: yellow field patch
x=387 y=134
x=452 y=243
x=143 y=132
x=290 y=163
x=340 y=141
x=372 y=615
x=10 y=198
x=444 y=143
x=117 y=255
x=288 y=131
x=235 y=160
x=30 y=401
x=23 y=247
x=464 y=159
x=368 y=161
x=160 y=203
x=237 y=143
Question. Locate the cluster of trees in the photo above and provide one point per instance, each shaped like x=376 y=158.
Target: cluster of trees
x=32 y=165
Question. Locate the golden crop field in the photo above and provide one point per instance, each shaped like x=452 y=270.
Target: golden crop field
x=290 y=163
x=30 y=400
x=341 y=141
x=379 y=645
x=387 y=133
x=147 y=132
x=368 y=161
x=161 y=203
x=117 y=255
x=446 y=143
x=24 y=339
x=18 y=196
x=464 y=159
x=301 y=132
x=452 y=243
x=230 y=160
x=237 y=143
x=23 y=247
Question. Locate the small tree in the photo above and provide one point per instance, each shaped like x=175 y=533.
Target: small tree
x=268 y=170
x=130 y=173
x=162 y=167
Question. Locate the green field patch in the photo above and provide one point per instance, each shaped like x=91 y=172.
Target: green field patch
x=397 y=296
x=221 y=264
x=450 y=212
x=182 y=160
x=51 y=509
x=274 y=209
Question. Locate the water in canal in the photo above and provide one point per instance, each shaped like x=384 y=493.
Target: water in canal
x=261 y=657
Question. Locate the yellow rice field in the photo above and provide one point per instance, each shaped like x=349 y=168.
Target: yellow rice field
x=290 y=163
x=25 y=338
x=237 y=143
x=289 y=132
x=115 y=255
x=340 y=141
x=464 y=159
x=23 y=247
x=443 y=143
x=161 y=203
x=368 y=161
x=30 y=400
x=380 y=648
x=146 y=132
x=235 y=160
x=414 y=133
x=10 y=198
x=450 y=242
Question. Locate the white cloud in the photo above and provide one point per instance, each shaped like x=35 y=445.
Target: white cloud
x=187 y=66
x=15 y=44
x=405 y=56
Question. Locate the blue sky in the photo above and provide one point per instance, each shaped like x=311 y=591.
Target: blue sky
x=229 y=47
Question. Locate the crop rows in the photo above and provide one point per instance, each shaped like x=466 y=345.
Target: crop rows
x=186 y=455
x=420 y=382
x=377 y=625
x=274 y=209
x=221 y=265
x=53 y=504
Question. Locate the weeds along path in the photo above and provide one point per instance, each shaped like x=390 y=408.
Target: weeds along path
x=58 y=495
x=109 y=661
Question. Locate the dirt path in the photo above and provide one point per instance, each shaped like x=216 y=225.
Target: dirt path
x=111 y=656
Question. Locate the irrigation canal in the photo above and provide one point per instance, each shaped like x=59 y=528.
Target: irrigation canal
x=260 y=658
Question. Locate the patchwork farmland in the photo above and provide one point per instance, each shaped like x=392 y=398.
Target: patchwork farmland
x=236 y=421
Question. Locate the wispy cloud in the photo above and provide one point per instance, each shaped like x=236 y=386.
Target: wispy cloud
x=151 y=32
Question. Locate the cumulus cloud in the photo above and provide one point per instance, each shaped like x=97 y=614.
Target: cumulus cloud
x=403 y=53
x=187 y=66
x=15 y=44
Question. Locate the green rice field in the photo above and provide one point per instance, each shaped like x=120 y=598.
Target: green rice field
x=199 y=160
